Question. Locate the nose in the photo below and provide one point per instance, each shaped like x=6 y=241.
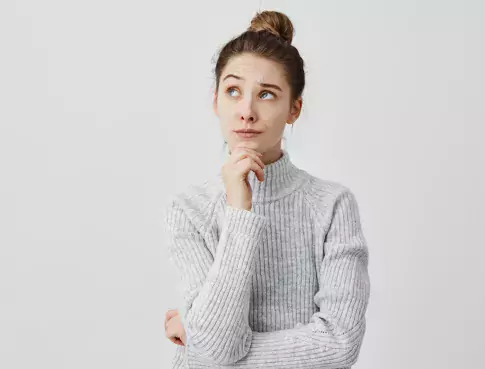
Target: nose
x=247 y=114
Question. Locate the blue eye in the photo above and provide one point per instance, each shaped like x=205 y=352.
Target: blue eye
x=231 y=89
x=267 y=92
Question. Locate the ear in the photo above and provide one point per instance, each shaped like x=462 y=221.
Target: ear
x=214 y=105
x=295 y=110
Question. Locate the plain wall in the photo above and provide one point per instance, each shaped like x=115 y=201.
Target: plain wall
x=105 y=111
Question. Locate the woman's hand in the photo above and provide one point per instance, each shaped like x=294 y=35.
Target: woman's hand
x=235 y=172
x=174 y=328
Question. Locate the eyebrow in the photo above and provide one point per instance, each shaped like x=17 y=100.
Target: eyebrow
x=267 y=85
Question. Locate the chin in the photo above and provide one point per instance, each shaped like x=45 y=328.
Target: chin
x=251 y=143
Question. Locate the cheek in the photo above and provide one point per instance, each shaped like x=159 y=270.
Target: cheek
x=274 y=113
x=224 y=108
x=225 y=117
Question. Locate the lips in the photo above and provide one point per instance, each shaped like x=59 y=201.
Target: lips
x=247 y=131
x=247 y=134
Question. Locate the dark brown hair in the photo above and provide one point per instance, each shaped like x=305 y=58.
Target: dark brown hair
x=269 y=35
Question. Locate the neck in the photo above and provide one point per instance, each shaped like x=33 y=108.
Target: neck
x=281 y=177
x=271 y=156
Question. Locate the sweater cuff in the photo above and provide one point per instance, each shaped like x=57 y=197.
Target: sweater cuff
x=245 y=222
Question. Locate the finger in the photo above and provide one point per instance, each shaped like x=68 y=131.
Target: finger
x=258 y=160
x=177 y=341
x=248 y=149
x=167 y=318
x=256 y=168
x=170 y=329
x=245 y=154
x=170 y=314
x=173 y=331
x=170 y=320
x=247 y=165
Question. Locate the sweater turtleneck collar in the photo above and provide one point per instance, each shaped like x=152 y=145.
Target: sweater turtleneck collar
x=281 y=178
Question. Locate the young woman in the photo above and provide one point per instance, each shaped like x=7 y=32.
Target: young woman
x=273 y=259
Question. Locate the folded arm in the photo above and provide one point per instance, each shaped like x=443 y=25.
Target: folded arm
x=215 y=315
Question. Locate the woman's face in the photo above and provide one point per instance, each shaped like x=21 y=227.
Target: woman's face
x=253 y=94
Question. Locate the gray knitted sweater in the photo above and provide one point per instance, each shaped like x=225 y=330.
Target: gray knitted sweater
x=284 y=285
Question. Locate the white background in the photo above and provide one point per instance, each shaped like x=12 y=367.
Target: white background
x=105 y=111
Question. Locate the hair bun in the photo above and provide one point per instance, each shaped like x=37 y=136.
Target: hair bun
x=275 y=22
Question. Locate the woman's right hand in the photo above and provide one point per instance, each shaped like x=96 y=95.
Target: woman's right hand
x=235 y=175
x=174 y=329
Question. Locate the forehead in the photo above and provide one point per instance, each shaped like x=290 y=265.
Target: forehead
x=255 y=69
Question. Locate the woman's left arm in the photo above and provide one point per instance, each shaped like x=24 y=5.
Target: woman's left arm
x=334 y=335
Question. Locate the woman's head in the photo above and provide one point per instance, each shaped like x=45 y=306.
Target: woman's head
x=259 y=82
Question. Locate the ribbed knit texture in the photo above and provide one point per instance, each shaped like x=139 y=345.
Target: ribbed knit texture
x=284 y=285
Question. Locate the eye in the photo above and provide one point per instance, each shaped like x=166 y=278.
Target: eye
x=268 y=92
x=230 y=89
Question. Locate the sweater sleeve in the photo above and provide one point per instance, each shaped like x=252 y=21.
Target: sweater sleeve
x=334 y=335
x=215 y=317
